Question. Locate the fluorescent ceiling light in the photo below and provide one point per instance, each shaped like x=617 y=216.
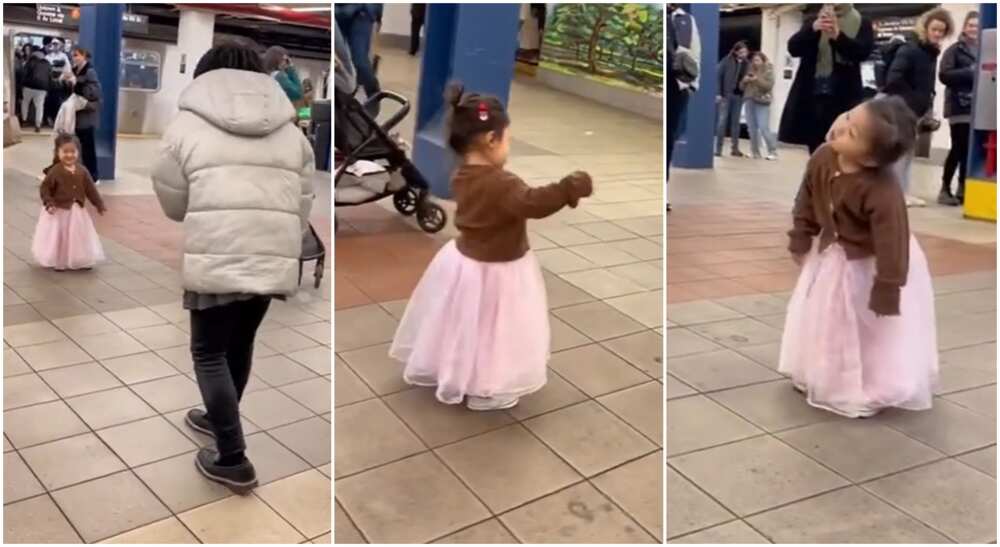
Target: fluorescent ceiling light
x=318 y=8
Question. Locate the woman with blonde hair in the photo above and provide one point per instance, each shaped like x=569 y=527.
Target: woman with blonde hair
x=756 y=86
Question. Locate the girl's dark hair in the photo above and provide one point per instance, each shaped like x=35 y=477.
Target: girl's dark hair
x=82 y=51
x=471 y=115
x=62 y=139
x=893 y=130
x=229 y=56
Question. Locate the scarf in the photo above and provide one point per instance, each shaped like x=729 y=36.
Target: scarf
x=849 y=21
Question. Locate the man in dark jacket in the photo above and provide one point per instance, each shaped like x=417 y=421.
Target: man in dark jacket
x=831 y=47
x=35 y=76
x=958 y=74
x=732 y=69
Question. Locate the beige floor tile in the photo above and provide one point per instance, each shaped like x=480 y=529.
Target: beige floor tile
x=561 y=293
x=159 y=336
x=589 y=437
x=343 y=529
x=948 y=427
x=984 y=460
x=564 y=336
x=700 y=311
x=771 y=406
x=755 y=474
x=289 y=315
x=319 y=332
x=279 y=370
x=643 y=350
x=850 y=515
x=579 y=514
x=373 y=365
x=370 y=435
x=169 y=394
x=595 y=370
x=562 y=261
x=171 y=311
x=982 y=400
x=20 y=314
x=689 y=508
x=303 y=500
x=316 y=359
x=557 y=393
x=768 y=355
x=24 y=390
x=966 y=330
x=641 y=407
x=735 y=532
x=565 y=236
x=507 y=467
x=41 y=423
x=36 y=520
x=646 y=307
x=111 y=407
x=604 y=254
x=53 y=355
x=602 y=284
x=348 y=387
x=89 y=505
x=106 y=346
x=239 y=519
x=716 y=370
x=434 y=501
x=738 y=333
x=362 y=327
x=13 y=365
x=18 y=481
x=605 y=231
x=178 y=484
x=682 y=342
x=643 y=249
x=677 y=388
x=310 y=439
x=135 y=318
x=939 y=494
x=637 y=487
x=64 y=307
x=81 y=326
x=141 y=367
x=860 y=450
x=755 y=305
x=488 y=532
x=437 y=423
x=79 y=379
x=286 y=340
x=270 y=408
x=272 y=460
x=169 y=531
x=686 y=419
x=313 y=394
x=148 y=297
x=29 y=334
x=179 y=357
x=649 y=276
x=598 y=320
x=146 y=440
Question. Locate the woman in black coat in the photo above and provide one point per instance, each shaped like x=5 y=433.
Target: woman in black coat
x=828 y=81
x=958 y=74
x=86 y=85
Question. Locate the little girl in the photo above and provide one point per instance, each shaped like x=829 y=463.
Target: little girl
x=65 y=237
x=477 y=324
x=860 y=333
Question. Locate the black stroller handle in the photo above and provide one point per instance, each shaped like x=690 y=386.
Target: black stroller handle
x=394 y=120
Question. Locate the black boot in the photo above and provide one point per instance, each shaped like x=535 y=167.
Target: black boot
x=240 y=478
x=197 y=420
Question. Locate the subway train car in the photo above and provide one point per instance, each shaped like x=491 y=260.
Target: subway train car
x=154 y=70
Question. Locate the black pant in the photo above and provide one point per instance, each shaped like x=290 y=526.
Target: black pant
x=677 y=100
x=416 y=23
x=222 y=349
x=958 y=156
x=824 y=114
x=89 y=153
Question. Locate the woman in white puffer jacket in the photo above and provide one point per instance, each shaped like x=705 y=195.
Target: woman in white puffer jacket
x=236 y=170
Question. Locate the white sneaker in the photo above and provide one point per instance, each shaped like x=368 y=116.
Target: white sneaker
x=770 y=157
x=913 y=201
x=490 y=403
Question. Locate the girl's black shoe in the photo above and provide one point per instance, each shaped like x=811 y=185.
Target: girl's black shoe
x=240 y=478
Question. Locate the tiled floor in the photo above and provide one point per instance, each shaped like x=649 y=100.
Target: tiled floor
x=747 y=460
x=98 y=376
x=578 y=462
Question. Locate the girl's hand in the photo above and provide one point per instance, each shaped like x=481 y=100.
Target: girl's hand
x=102 y=210
x=50 y=209
x=799 y=259
x=583 y=185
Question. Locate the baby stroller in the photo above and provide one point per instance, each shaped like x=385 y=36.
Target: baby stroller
x=371 y=164
x=312 y=249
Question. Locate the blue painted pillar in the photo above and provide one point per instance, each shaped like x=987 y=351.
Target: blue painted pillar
x=474 y=44
x=101 y=34
x=695 y=145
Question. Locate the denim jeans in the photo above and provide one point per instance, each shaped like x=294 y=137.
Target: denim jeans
x=222 y=349
x=759 y=125
x=903 y=169
x=357 y=29
x=729 y=115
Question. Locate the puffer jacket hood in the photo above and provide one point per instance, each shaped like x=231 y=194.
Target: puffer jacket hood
x=238 y=102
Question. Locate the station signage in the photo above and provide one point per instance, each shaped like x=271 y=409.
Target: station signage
x=66 y=16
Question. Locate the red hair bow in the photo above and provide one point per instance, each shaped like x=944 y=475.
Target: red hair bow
x=484 y=111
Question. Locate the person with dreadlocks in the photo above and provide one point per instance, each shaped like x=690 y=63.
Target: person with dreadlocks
x=236 y=171
x=477 y=325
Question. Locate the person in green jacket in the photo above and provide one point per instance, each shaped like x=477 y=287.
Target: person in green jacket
x=280 y=67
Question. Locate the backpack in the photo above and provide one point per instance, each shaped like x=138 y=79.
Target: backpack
x=683 y=40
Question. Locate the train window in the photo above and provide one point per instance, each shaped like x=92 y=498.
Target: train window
x=140 y=70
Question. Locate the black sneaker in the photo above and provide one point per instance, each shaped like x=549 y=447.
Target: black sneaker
x=197 y=420
x=241 y=479
x=738 y=154
x=945 y=198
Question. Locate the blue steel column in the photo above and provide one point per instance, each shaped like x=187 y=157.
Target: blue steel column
x=101 y=33
x=474 y=44
x=695 y=145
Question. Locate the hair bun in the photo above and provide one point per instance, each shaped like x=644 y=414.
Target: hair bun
x=453 y=93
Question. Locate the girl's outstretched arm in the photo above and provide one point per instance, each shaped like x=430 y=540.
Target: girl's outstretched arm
x=522 y=200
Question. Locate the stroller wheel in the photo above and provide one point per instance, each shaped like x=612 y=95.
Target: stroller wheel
x=405 y=201
x=431 y=217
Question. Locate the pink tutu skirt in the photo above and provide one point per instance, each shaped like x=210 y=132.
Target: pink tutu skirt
x=848 y=360
x=66 y=239
x=476 y=328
